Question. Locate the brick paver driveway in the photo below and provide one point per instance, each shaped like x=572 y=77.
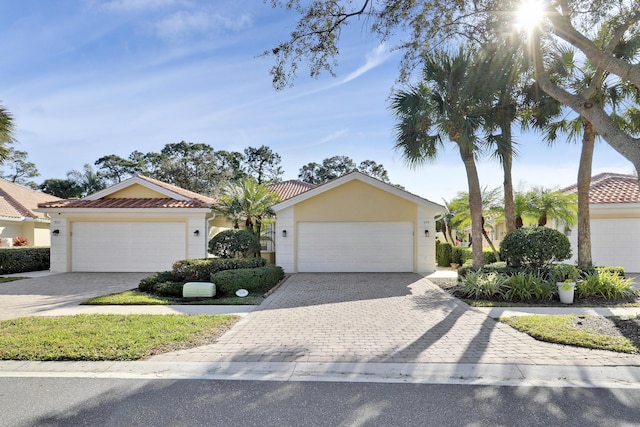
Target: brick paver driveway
x=37 y=295
x=379 y=318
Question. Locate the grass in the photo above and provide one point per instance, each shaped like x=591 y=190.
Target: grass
x=106 y=337
x=559 y=329
x=143 y=298
x=10 y=279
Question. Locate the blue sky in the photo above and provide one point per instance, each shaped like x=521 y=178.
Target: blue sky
x=88 y=78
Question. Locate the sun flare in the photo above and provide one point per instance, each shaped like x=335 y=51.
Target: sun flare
x=529 y=15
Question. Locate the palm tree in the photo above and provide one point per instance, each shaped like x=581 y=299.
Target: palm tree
x=548 y=204
x=445 y=105
x=249 y=200
x=6 y=132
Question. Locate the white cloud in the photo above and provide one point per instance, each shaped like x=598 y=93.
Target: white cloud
x=376 y=57
x=183 y=23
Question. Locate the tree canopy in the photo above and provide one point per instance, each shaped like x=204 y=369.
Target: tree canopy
x=336 y=166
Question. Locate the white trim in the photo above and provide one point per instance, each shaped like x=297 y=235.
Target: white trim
x=136 y=180
x=355 y=175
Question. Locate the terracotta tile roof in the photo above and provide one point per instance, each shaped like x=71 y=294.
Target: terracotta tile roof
x=17 y=201
x=291 y=188
x=195 y=200
x=611 y=188
x=206 y=199
x=125 y=202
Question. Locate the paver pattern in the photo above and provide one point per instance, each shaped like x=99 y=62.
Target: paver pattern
x=40 y=295
x=378 y=317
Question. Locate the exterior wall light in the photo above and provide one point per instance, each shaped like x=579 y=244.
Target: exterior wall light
x=196 y=233
x=55 y=232
x=426 y=233
x=284 y=233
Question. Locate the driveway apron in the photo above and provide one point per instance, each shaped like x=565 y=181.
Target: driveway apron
x=39 y=295
x=379 y=317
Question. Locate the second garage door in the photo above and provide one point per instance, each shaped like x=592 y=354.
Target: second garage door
x=355 y=247
x=126 y=246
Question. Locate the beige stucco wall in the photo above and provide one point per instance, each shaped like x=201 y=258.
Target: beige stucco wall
x=355 y=201
x=136 y=191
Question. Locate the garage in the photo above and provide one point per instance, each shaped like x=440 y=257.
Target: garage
x=355 y=247
x=126 y=246
x=615 y=242
x=137 y=225
x=356 y=223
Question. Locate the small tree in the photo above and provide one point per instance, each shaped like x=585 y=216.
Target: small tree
x=535 y=247
x=230 y=243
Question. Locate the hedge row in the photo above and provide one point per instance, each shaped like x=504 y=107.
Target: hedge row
x=447 y=254
x=21 y=259
x=544 y=272
x=254 y=280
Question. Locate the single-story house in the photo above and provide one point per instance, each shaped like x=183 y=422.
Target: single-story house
x=353 y=223
x=18 y=215
x=138 y=225
x=614 y=210
x=356 y=223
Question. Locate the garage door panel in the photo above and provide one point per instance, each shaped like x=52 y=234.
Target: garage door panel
x=126 y=246
x=355 y=247
x=616 y=242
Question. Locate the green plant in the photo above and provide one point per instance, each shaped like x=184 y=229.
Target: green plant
x=148 y=284
x=252 y=279
x=527 y=286
x=230 y=243
x=564 y=273
x=612 y=269
x=20 y=259
x=605 y=284
x=479 y=285
x=200 y=270
x=534 y=246
x=443 y=254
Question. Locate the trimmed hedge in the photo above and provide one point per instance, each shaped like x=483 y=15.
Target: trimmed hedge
x=252 y=279
x=229 y=243
x=200 y=270
x=534 y=246
x=443 y=254
x=21 y=259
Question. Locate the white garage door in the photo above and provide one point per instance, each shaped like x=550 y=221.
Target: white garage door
x=126 y=246
x=616 y=242
x=355 y=247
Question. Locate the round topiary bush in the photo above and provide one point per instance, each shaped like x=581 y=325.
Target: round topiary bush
x=230 y=243
x=534 y=247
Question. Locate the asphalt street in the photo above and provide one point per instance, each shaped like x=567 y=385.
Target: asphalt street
x=121 y=402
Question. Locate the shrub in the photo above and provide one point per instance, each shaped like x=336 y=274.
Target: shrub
x=252 y=279
x=230 y=243
x=148 y=284
x=169 y=289
x=605 y=284
x=563 y=272
x=534 y=246
x=478 y=285
x=612 y=269
x=443 y=254
x=528 y=286
x=20 y=241
x=200 y=270
x=21 y=259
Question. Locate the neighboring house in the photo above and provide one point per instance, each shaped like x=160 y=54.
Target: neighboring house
x=614 y=210
x=356 y=223
x=137 y=225
x=18 y=217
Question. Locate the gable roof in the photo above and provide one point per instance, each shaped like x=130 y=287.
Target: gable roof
x=611 y=188
x=288 y=189
x=176 y=197
x=351 y=176
x=19 y=202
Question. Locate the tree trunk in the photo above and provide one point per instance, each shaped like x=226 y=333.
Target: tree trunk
x=475 y=204
x=584 y=185
x=493 y=248
x=507 y=185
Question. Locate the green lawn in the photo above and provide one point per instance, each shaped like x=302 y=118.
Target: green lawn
x=143 y=298
x=106 y=337
x=559 y=329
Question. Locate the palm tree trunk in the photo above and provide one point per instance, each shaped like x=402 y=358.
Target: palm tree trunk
x=475 y=205
x=584 y=184
x=488 y=239
x=507 y=162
